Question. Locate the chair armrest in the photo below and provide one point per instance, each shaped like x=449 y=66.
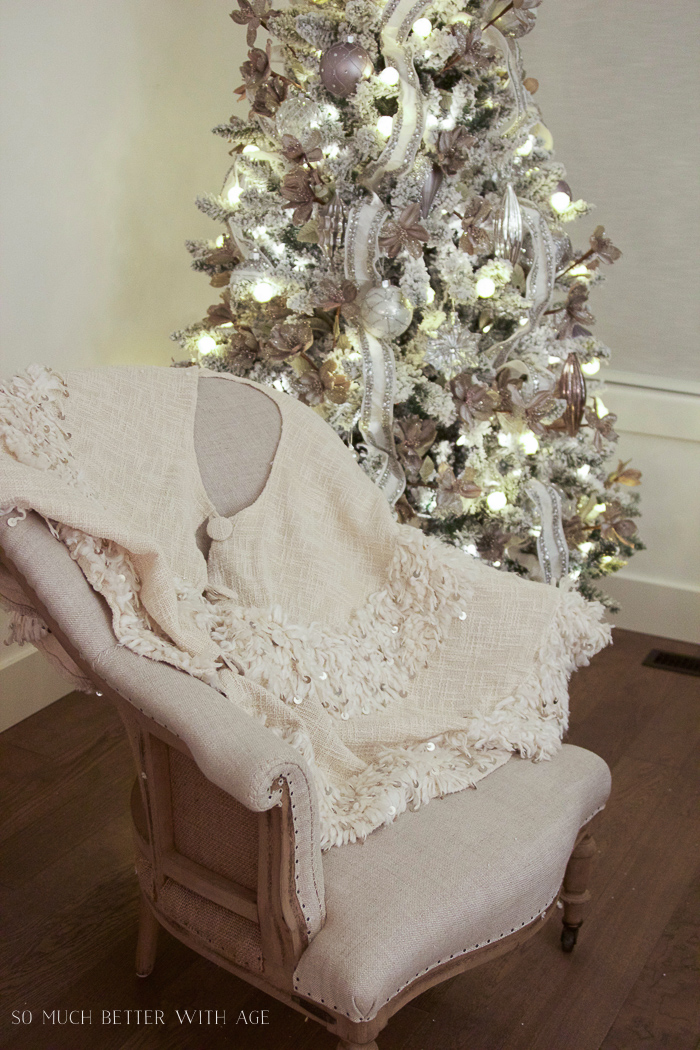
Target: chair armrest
x=233 y=750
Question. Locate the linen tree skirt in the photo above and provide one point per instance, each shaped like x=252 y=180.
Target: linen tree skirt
x=400 y=668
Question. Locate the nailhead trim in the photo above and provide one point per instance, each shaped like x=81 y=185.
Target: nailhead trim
x=464 y=951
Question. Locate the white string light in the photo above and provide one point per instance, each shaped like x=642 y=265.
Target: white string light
x=485 y=287
x=263 y=291
x=206 y=345
x=389 y=76
x=423 y=27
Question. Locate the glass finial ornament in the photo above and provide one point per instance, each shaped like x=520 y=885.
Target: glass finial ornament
x=572 y=387
x=331 y=226
x=508 y=227
x=343 y=66
x=431 y=184
x=385 y=312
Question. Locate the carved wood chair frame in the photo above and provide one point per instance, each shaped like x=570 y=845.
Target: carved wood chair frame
x=273 y=905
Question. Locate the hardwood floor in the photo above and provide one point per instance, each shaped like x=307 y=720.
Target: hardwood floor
x=68 y=900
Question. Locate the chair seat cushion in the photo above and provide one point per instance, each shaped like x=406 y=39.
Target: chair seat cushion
x=440 y=882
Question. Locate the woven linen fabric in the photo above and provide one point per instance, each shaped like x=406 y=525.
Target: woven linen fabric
x=400 y=668
x=459 y=891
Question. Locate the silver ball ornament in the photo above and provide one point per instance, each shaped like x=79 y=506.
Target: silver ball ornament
x=343 y=66
x=385 y=312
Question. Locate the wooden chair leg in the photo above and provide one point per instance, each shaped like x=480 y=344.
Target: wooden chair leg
x=575 y=893
x=147 y=943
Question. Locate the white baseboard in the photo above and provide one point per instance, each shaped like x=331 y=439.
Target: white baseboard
x=655 y=607
x=27 y=683
x=659 y=429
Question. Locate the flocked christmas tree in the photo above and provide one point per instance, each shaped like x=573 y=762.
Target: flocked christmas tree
x=394 y=254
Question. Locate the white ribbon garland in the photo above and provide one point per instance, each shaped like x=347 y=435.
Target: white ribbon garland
x=552 y=549
x=409 y=123
x=362 y=250
x=526 y=113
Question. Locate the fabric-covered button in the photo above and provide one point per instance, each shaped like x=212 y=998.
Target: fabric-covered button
x=219 y=528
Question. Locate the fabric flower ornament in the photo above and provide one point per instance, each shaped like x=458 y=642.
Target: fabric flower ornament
x=453 y=148
x=413 y=436
x=474 y=401
x=339 y=296
x=603 y=427
x=531 y=412
x=523 y=12
x=298 y=189
x=404 y=232
x=470 y=49
x=575 y=531
x=293 y=150
x=324 y=384
x=226 y=254
x=287 y=339
x=253 y=13
x=492 y=543
x=220 y=313
x=602 y=249
x=576 y=313
x=255 y=72
x=452 y=490
x=475 y=240
x=243 y=348
x=624 y=475
x=615 y=526
x=269 y=97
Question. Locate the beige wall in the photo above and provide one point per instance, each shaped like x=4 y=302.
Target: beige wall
x=619 y=90
x=106 y=111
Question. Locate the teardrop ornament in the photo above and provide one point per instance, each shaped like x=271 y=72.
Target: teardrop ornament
x=508 y=227
x=433 y=182
x=572 y=387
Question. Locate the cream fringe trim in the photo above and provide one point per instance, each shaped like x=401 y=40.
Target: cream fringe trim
x=534 y=717
x=360 y=670
x=530 y=721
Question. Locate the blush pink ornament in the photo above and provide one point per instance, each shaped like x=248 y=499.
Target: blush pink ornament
x=343 y=66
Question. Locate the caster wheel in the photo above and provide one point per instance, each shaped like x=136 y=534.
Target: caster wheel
x=569 y=936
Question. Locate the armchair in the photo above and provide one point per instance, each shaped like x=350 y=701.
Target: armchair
x=226 y=815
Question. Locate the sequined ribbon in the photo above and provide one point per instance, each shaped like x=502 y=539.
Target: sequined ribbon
x=526 y=113
x=377 y=413
x=409 y=122
x=361 y=249
x=552 y=549
x=540 y=280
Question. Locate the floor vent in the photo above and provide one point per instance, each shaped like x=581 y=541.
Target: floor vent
x=672 y=662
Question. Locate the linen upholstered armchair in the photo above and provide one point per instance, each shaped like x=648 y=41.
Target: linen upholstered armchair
x=228 y=816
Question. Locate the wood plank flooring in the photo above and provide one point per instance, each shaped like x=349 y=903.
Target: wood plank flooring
x=68 y=900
